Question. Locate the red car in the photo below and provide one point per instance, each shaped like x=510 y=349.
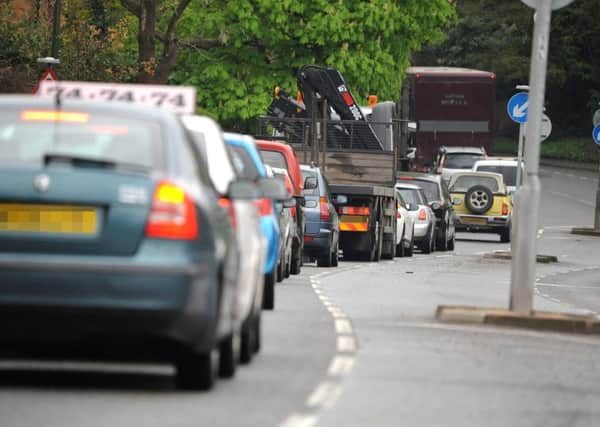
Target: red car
x=280 y=155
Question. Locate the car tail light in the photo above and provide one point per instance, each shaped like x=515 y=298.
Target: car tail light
x=406 y=178
x=324 y=208
x=228 y=204
x=504 y=209
x=351 y=210
x=308 y=238
x=398 y=214
x=293 y=212
x=172 y=214
x=265 y=207
x=422 y=215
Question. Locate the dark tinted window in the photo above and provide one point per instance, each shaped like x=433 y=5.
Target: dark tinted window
x=509 y=173
x=243 y=163
x=274 y=159
x=461 y=160
x=26 y=136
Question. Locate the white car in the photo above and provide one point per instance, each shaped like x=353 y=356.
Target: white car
x=422 y=215
x=208 y=138
x=507 y=167
x=404 y=228
x=450 y=160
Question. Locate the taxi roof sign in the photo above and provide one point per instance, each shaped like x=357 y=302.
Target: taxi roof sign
x=177 y=99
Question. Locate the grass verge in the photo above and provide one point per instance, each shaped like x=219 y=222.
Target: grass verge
x=567 y=148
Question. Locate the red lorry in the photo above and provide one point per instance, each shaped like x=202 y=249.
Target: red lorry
x=447 y=107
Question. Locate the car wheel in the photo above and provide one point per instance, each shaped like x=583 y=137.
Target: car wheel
x=280 y=270
x=247 y=341
x=296 y=263
x=195 y=371
x=268 y=302
x=479 y=199
x=411 y=245
x=451 y=243
x=227 y=357
x=288 y=267
x=326 y=259
x=257 y=334
x=429 y=246
x=335 y=255
x=442 y=244
x=505 y=235
x=400 y=247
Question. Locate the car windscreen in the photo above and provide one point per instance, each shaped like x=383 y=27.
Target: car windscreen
x=430 y=188
x=508 y=172
x=30 y=136
x=311 y=191
x=274 y=159
x=243 y=163
x=465 y=182
x=461 y=160
x=410 y=196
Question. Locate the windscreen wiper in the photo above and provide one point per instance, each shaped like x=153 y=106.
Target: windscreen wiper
x=79 y=161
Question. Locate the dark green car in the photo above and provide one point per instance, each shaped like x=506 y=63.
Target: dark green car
x=112 y=240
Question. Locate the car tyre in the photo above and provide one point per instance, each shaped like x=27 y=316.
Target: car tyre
x=250 y=334
x=268 y=302
x=194 y=371
x=479 y=199
x=400 y=250
x=296 y=262
x=280 y=270
x=411 y=245
x=505 y=235
x=429 y=246
x=227 y=357
x=451 y=243
x=335 y=255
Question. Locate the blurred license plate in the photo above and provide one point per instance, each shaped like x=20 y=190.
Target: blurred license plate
x=478 y=221
x=22 y=217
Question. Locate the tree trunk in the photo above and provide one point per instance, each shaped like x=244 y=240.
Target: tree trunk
x=146 y=41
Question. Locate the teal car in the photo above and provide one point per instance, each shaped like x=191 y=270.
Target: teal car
x=113 y=244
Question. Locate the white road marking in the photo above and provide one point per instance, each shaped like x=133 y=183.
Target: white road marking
x=563 y=285
x=340 y=366
x=299 y=420
x=343 y=326
x=324 y=396
x=346 y=344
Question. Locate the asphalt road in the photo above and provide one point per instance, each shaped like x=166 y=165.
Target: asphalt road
x=359 y=346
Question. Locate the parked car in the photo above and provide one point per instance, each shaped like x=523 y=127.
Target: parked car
x=280 y=155
x=287 y=226
x=104 y=243
x=422 y=215
x=208 y=139
x=482 y=203
x=249 y=165
x=321 y=237
x=438 y=199
x=507 y=167
x=450 y=160
x=405 y=228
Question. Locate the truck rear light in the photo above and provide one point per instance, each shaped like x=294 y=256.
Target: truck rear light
x=504 y=209
x=422 y=215
x=172 y=214
x=265 y=207
x=351 y=210
x=226 y=203
x=324 y=208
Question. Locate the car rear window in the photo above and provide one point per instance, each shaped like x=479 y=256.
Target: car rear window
x=463 y=183
x=430 y=188
x=509 y=173
x=26 y=136
x=312 y=191
x=243 y=163
x=274 y=159
x=461 y=160
x=410 y=196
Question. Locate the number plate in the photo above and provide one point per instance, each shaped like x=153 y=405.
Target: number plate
x=477 y=221
x=178 y=99
x=16 y=217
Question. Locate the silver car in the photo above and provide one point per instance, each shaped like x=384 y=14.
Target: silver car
x=422 y=215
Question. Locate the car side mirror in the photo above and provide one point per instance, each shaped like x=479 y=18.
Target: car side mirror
x=243 y=190
x=290 y=203
x=340 y=199
x=300 y=201
x=436 y=206
x=310 y=183
x=273 y=188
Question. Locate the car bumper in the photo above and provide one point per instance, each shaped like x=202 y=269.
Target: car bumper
x=421 y=230
x=480 y=223
x=46 y=300
x=317 y=244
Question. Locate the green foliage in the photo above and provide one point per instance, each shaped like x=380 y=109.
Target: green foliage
x=496 y=36
x=264 y=42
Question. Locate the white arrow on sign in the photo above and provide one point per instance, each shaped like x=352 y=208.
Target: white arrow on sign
x=520 y=110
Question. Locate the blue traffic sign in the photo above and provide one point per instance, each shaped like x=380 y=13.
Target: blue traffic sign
x=518 y=107
x=596 y=135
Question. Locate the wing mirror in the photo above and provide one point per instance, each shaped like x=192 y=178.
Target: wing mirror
x=340 y=199
x=310 y=183
x=290 y=203
x=435 y=206
x=273 y=188
x=243 y=190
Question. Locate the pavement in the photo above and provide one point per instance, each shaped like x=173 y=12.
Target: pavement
x=359 y=346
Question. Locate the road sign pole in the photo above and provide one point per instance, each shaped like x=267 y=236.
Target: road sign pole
x=520 y=154
x=528 y=201
x=597 y=211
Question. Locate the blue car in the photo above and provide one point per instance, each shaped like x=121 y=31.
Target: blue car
x=249 y=165
x=112 y=240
